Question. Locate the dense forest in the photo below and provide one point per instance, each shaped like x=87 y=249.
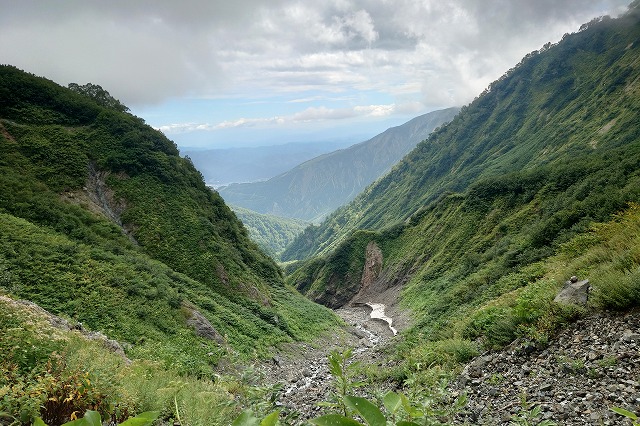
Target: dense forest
x=271 y=233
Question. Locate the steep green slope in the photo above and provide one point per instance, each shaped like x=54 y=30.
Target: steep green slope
x=573 y=99
x=315 y=188
x=469 y=217
x=103 y=222
x=271 y=233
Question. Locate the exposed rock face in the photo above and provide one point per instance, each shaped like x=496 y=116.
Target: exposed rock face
x=203 y=327
x=372 y=266
x=97 y=197
x=591 y=366
x=339 y=292
x=574 y=292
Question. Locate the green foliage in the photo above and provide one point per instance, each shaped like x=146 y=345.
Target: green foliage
x=483 y=222
x=98 y=94
x=271 y=233
x=103 y=224
x=92 y=418
x=529 y=415
x=248 y=419
x=343 y=371
x=82 y=376
x=626 y=413
x=428 y=405
x=102 y=221
x=571 y=100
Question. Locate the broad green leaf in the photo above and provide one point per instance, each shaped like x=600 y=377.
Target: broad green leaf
x=369 y=412
x=142 y=419
x=624 y=412
x=79 y=422
x=334 y=420
x=271 y=419
x=246 y=419
x=410 y=409
x=392 y=402
x=91 y=418
x=38 y=422
x=404 y=423
x=334 y=365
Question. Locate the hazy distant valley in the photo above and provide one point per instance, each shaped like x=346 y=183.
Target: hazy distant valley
x=221 y=167
x=312 y=190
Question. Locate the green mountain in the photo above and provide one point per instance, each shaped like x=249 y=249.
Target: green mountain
x=559 y=109
x=271 y=233
x=466 y=226
x=102 y=222
x=250 y=164
x=315 y=188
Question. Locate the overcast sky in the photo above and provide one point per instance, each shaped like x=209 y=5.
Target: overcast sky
x=216 y=73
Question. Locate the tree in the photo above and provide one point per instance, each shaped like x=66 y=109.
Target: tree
x=99 y=95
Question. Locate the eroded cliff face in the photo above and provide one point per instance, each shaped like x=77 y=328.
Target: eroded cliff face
x=372 y=266
x=343 y=289
x=97 y=197
x=366 y=280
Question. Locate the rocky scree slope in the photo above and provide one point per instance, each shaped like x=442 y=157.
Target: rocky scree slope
x=592 y=365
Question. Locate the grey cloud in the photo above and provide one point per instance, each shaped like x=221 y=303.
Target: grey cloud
x=145 y=51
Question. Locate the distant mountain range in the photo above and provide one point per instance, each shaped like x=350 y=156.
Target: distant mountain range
x=250 y=164
x=317 y=187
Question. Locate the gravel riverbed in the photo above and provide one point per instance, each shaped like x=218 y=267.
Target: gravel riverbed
x=586 y=369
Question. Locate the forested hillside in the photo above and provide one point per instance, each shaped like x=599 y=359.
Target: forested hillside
x=466 y=223
x=271 y=233
x=317 y=187
x=103 y=222
x=565 y=108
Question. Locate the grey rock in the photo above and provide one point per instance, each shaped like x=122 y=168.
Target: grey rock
x=202 y=326
x=574 y=292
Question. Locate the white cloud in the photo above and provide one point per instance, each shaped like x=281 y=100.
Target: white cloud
x=146 y=51
x=308 y=115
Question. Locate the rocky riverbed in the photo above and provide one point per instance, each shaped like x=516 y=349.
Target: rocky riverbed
x=302 y=370
x=586 y=369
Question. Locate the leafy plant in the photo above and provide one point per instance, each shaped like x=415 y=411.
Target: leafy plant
x=626 y=413
x=342 y=371
x=246 y=418
x=92 y=418
x=394 y=409
x=529 y=415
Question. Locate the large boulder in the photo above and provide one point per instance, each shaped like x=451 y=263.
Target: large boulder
x=574 y=292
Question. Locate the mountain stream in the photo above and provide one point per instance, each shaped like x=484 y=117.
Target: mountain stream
x=302 y=370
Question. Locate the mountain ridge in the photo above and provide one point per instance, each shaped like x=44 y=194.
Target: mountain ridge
x=319 y=185
x=495 y=134
x=102 y=221
x=467 y=224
